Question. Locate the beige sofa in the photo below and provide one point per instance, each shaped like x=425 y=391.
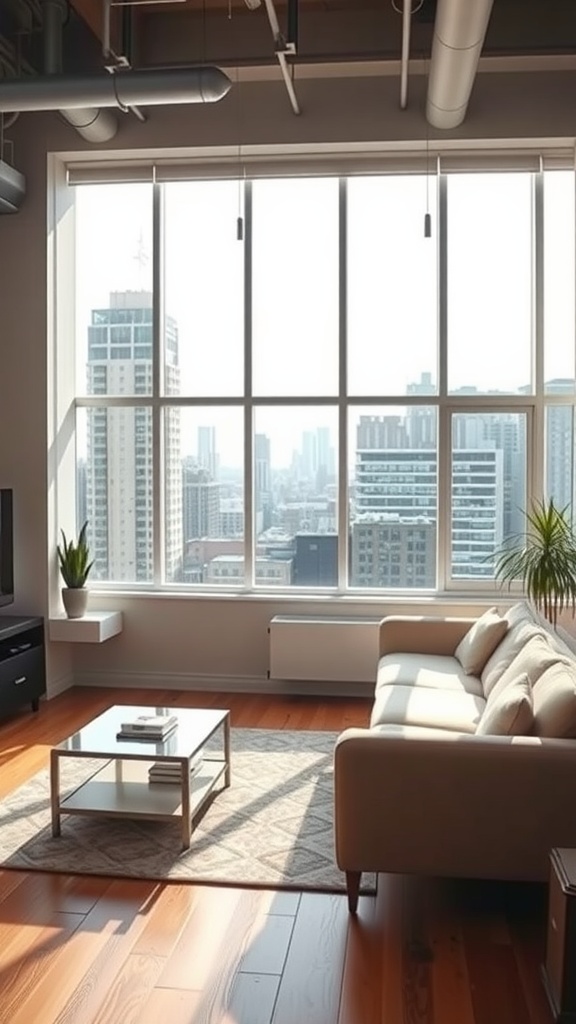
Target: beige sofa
x=468 y=767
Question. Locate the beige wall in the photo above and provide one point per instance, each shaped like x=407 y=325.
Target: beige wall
x=187 y=640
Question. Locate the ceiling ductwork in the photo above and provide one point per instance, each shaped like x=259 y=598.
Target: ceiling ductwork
x=459 y=33
x=124 y=89
x=93 y=125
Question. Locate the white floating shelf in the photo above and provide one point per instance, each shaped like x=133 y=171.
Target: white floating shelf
x=92 y=628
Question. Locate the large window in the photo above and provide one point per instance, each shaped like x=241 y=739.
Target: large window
x=326 y=399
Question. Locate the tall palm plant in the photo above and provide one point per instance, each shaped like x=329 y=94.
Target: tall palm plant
x=544 y=558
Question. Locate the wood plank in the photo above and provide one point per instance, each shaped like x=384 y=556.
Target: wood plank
x=206 y=932
x=29 y=957
x=450 y=982
x=252 y=999
x=166 y=919
x=310 y=986
x=268 y=944
x=390 y=910
x=362 y=977
x=169 y=1006
x=493 y=974
x=221 y=942
x=111 y=920
x=130 y=990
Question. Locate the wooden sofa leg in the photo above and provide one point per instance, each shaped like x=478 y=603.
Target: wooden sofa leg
x=353 y=889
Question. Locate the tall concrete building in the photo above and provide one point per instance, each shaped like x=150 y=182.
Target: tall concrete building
x=560 y=434
x=207 y=454
x=201 y=502
x=263 y=498
x=119 y=443
x=395 y=514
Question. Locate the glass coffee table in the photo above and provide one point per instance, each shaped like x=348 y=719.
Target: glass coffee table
x=121 y=787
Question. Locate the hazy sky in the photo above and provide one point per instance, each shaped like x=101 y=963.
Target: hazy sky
x=392 y=292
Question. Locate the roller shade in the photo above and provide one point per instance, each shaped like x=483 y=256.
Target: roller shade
x=326 y=164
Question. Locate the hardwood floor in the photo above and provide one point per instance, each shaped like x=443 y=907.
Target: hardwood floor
x=79 y=950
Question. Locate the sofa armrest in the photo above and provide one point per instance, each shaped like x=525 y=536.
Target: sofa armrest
x=422 y=634
x=428 y=801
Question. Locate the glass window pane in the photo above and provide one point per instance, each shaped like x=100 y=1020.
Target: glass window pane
x=393 y=496
x=488 y=488
x=212 y=482
x=392 y=286
x=295 y=497
x=113 y=285
x=204 y=288
x=295 y=287
x=489 y=282
x=560 y=454
x=114 y=491
x=559 y=281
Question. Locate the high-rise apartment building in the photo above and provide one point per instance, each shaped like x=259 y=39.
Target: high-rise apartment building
x=119 y=442
x=207 y=454
x=200 y=502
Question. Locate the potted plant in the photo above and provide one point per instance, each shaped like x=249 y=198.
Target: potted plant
x=544 y=558
x=74 y=567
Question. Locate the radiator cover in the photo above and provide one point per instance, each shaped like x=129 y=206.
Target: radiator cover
x=334 y=649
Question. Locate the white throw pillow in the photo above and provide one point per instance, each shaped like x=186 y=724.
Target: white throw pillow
x=480 y=642
x=510 y=712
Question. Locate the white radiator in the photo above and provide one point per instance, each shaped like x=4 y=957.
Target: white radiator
x=335 y=649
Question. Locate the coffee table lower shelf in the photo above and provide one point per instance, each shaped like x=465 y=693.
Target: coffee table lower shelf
x=121 y=789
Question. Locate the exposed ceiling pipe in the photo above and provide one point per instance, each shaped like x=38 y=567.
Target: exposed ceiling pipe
x=122 y=89
x=406 y=16
x=93 y=125
x=282 y=48
x=459 y=32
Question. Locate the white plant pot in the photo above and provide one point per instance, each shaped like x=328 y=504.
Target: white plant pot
x=75 y=600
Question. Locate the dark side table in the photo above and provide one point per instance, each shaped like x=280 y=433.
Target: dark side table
x=559 y=970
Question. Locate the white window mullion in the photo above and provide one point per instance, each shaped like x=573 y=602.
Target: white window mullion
x=343 y=502
x=157 y=384
x=249 y=523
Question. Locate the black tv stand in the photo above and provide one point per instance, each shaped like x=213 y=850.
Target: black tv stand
x=22 y=664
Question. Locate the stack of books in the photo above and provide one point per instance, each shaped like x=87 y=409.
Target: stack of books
x=170 y=771
x=148 y=727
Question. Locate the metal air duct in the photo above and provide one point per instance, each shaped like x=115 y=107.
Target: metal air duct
x=93 y=125
x=155 y=87
x=459 y=32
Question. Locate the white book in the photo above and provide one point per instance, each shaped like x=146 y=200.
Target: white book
x=150 y=723
x=158 y=735
x=172 y=768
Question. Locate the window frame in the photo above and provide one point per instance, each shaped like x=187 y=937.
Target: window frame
x=533 y=406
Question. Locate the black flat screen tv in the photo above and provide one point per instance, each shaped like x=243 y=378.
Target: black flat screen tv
x=6 y=547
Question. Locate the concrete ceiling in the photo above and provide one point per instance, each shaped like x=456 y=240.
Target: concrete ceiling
x=226 y=32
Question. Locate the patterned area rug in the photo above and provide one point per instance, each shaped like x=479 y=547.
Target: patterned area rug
x=273 y=827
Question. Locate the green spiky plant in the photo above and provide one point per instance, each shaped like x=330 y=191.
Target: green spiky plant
x=544 y=558
x=73 y=559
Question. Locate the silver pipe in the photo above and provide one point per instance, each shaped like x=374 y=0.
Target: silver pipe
x=406 y=16
x=459 y=31
x=288 y=81
x=280 y=46
x=93 y=125
x=122 y=89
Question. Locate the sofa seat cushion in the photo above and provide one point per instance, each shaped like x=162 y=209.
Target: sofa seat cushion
x=480 y=641
x=554 y=696
x=431 y=671
x=509 y=711
x=427 y=706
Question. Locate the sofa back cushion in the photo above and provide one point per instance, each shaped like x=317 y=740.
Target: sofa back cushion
x=480 y=641
x=532 y=660
x=510 y=711
x=554 y=698
x=521 y=629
